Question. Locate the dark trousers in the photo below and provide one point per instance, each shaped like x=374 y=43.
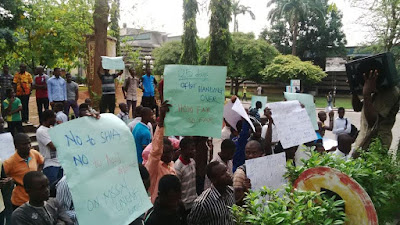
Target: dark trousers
x=15 y=125
x=25 y=107
x=133 y=105
x=107 y=102
x=53 y=173
x=71 y=104
x=42 y=105
x=150 y=102
x=200 y=184
x=6 y=214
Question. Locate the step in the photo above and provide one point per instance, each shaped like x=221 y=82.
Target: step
x=32 y=136
x=28 y=128
x=35 y=145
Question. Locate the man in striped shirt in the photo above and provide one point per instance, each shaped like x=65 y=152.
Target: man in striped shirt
x=185 y=168
x=212 y=207
x=108 y=90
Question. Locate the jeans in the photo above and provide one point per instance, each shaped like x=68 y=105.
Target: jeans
x=107 y=102
x=74 y=105
x=15 y=125
x=53 y=173
x=42 y=104
x=25 y=107
x=133 y=105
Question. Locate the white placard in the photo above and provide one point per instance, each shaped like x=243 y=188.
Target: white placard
x=238 y=107
x=232 y=117
x=112 y=63
x=267 y=171
x=292 y=123
x=329 y=143
x=7 y=146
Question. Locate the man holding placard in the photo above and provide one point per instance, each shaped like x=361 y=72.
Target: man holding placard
x=108 y=90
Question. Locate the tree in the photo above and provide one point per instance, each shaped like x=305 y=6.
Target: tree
x=114 y=26
x=294 y=12
x=237 y=9
x=49 y=33
x=249 y=58
x=220 y=37
x=10 y=15
x=168 y=53
x=189 y=39
x=100 y=20
x=286 y=67
x=279 y=36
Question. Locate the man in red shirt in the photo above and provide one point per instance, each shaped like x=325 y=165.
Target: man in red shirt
x=40 y=84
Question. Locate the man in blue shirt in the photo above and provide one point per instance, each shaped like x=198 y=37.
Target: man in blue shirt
x=141 y=132
x=56 y=88
x=148 y=83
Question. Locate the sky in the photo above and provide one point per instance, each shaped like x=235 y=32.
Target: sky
x=166 y=16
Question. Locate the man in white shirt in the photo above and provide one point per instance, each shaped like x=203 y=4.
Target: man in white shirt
x=342 y=125
x=344 y=146
x=52 y=168
x=60 y=115
x=259 y=90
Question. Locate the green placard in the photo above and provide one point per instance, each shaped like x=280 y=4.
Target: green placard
x=100 y=162
x=197 y=96
x=308 y=101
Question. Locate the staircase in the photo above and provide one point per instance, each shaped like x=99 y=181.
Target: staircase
x=30 y=130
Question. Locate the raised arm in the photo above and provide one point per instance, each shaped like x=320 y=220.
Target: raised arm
x=371 y=114
x=268 y=136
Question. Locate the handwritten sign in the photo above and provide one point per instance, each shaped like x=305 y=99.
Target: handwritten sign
x=231 y=116
x=7 y=146
x=267 y=171
x=308 y=101
x=197 y=95
x=100 y=158
x=112 y=63
x=292 y=123
x=262 y=99
x=238 y=107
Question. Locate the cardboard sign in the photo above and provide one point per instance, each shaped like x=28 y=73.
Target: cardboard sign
x=99 y=157
x=112 y=63
x=308 y=101
x=197 y=96
x=267 y=171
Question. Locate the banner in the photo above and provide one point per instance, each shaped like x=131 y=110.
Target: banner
x=197 y=96
x=99 y=159
x=112 y=63
x=308 y=101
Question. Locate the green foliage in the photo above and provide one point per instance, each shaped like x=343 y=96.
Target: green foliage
x=189 y=39
x=220 y=37
x=279 y=35
x=286 y=67
x=51 y=33
x=9 y=20
x=114 y=26
x=249 y=57
x=267 y=207
x=376 y=171
x=131 y=57
x=168 y=53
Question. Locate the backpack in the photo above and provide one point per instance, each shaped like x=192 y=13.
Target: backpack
x=354 y=131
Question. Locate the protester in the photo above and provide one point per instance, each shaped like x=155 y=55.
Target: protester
x=6 y=82
x=267 y=132
x=88 y=101
x=224 y=157
x=22 y=86
x=254 y=111
x=160 y=158
x=56 y=88
x=185 y=168
x=244 y=92
x=108 y=90
x=256 y=136
x=342 y=125
x=321 y=123
x=60 y=115
x=52 y=167
x=148 y=99
x=137 y=119
x=241 y=183
x=13 y=107
x=344 y=146
x=40 y=210
x=124 y=112
x=213 y=206
x=378 y=109
x=329 y=99
x=141 y=133
x=21 y=162
x=259 y=90
x=84 y=110
x=72 y=96
x=64 y=197
x=40 y=84
x=130 y=90
x=170 y=140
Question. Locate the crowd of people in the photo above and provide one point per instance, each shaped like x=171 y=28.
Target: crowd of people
x=190 y=180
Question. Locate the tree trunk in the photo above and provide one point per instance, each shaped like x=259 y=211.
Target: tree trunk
x=295 y=32
x=237 y=86
x=231 y=86
x=100 y=20
x=235 y=28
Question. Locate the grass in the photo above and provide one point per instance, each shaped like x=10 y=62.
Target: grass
x=320 y=101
